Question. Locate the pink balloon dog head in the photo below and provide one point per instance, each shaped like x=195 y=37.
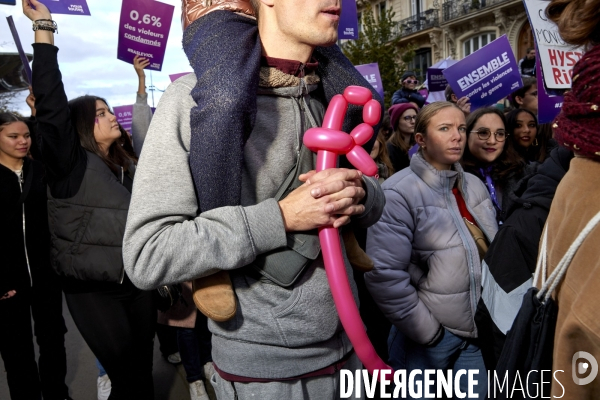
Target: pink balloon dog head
x=331 y=138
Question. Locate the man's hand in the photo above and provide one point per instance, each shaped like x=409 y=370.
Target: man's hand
x=30 y=100
x=139 y=63
x=327 y=198
x=8 y=294
x=464 y=104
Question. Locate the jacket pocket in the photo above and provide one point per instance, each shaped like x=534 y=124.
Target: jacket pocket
x=83 y=224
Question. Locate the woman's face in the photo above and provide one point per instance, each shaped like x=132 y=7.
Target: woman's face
x=406 y=123
x=529 y=101
x=375 y=151
x=445 y=139
x=525 y=130
x=106 y=128
x=14 y=140
x=488 y=150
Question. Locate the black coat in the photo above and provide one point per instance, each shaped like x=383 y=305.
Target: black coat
x=512 y=256
x=14 y=273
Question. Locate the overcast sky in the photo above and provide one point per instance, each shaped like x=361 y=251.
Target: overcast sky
x=88 y=52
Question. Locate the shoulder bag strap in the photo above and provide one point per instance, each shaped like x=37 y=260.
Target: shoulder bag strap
x=560 y=270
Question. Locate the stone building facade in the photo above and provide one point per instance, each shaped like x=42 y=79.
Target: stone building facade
x=454 y=28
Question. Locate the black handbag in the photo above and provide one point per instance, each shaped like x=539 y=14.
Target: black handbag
x=530 y=341
x=167 y=296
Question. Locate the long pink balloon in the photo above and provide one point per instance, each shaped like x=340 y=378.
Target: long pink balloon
x=328 y=142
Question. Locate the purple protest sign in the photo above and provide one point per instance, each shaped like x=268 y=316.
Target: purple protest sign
x=24 y=59
x=174 y=77
x=487 y=75
x=73 y=7
x=436 y=81
x=348 y=27
x=548 y=106
x=143 y=30
x=371 y=74
x=124 y=115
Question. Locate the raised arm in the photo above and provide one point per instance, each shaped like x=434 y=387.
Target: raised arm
x=62 y=151
x=142 y=113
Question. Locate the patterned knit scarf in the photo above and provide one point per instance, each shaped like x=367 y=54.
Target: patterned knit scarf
x=224 y=51
x=576 y=127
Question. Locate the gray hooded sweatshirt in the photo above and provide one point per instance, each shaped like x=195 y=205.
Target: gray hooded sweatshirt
x=277 y=332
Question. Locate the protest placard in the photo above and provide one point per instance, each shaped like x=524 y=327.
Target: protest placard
x=371 y=74
x=348 y=27
x=548 y=106
x=24 y=59
x=174 y=77
x=436 y=81
x=73 y=7
x=143 y=30
x=557 y=57
x=487 y=75
x=124 y=115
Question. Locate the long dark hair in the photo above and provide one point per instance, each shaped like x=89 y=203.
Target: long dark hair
x=539 y=152
x=8 y=118
x=83 y=116
x=508 y=164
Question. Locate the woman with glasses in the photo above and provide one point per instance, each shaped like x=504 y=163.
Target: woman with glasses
x=427 y=268
x=402 y=120
x=408 y=92
x=532 y=146
x=490 y=156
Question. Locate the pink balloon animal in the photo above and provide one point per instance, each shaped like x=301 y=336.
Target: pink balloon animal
x=328 y=142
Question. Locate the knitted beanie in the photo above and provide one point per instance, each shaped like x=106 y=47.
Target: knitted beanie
x=397 y=110
x=576 y=127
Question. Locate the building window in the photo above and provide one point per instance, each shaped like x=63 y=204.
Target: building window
x=474 y=43
x=381 y=6
x=421 y=63
x=416 y=7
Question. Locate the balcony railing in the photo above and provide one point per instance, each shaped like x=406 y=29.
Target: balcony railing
x=452 y=9
x=418 y=22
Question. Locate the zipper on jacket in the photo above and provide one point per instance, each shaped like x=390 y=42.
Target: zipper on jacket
x=470 y=258
x=20 y=179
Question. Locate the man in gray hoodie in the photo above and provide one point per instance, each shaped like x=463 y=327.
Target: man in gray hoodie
x=286 y=339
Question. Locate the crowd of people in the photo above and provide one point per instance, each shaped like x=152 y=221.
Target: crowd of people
x=221 y=212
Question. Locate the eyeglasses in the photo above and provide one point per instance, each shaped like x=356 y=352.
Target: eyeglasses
x=485 y=133
x=409 y=81
x=409 y=117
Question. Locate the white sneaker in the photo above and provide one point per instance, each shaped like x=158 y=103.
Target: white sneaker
x=174 y=358
x=209 y=370
x=104 y=387
x=198 y=391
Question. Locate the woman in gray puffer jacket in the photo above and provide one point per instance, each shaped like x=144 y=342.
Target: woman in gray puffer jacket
x=427 y=274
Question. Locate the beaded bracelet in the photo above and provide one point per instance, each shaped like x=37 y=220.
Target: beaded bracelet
x=45 y=25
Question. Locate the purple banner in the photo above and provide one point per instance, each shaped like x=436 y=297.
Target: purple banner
x=124 y=115
x=144 y=30
x=174 y=77
x=436 y=81
x=348 y=27
x=548 y=106
x=371 y=74
x=24 y=59
x=487 y=75
x=73 y=7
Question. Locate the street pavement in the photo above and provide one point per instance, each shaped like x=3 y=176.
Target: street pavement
x=169 y=380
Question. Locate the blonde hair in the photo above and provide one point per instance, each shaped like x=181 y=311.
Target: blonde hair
x=428 y=112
